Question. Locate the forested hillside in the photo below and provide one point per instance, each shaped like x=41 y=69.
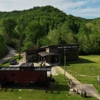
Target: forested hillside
x=41 y=26
x=3 y=49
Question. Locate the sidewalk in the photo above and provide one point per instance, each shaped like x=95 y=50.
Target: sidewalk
x=89 y=88
x=9 y=56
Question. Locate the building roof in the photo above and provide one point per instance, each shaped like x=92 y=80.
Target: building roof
x=9 y=69
x=47 y=68
x=27 y=65
x=43 y=54
x=56 y=46
x=34 y=50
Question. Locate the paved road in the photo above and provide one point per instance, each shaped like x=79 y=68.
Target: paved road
x=89 y=88
x=9 y=56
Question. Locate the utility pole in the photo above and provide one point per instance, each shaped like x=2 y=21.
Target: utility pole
x=64 y=62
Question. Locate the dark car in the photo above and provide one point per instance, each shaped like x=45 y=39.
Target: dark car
x=13 y=62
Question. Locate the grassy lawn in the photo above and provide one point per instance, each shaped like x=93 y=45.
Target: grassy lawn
x=86 y=69
x=31 y=94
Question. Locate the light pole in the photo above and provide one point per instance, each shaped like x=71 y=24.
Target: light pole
x=64 y=62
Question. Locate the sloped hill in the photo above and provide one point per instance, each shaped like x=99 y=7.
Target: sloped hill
x=54 y=26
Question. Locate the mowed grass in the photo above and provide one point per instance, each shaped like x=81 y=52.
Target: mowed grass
x=31 y=94
x=86 y=69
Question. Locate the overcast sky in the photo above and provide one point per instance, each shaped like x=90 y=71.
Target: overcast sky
x=81 y=8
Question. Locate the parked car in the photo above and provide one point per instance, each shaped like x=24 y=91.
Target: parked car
x=13 y=62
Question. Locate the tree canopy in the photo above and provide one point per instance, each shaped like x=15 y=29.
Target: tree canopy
x=3 y=49
x=41 y=26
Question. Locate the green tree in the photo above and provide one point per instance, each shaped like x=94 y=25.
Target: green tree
x=44 y=41
x=28 y=45
x=54 y=36
x=95 y=43
x=71 y=38
x=20 y=34
x=3 y=48
x=33 y=32
x=84 y=43
x=9 y=29
x=84 y=29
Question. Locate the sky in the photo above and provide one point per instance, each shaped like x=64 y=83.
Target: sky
x=88 y=9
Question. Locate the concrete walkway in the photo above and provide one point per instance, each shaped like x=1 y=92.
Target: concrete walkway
x=89 y=88
x=9 y=56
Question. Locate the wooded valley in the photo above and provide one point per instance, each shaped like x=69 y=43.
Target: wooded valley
x=42 y=26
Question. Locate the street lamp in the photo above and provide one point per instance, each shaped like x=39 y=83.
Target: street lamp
x=64 y=62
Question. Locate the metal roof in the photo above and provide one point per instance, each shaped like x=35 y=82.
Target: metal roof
x=47 y=68
x=56 y=46
x=9 y=68
x=43 y=54
x=27 y=65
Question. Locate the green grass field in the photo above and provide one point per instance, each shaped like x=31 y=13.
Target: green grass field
x=86 y=69
x=31 y=94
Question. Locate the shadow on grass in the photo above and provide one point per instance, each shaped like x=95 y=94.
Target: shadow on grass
x=80 y=61
x=63 y=87
x=57 y=89
x=88 y=97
